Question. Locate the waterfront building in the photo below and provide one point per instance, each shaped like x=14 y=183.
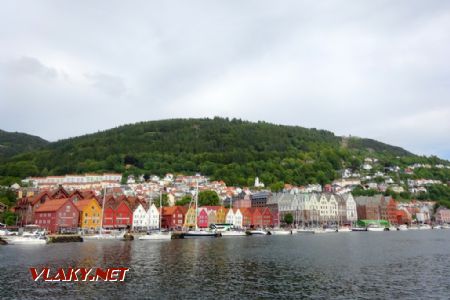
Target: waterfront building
x=246 y=217
x=368 y=208
x=117 y=213
x=153 y=217
x=140 y=218
x=202 y=217
x=173 y=217
x=442 y=215
x=234 y=216
x=58 y=215
x=90 y=213
x=260 y=199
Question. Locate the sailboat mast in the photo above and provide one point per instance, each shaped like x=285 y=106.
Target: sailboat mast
x=196 y=207
x=103 y=209
x=160 y=209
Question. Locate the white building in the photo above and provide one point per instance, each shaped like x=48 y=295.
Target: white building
x=140 y=218
x=153 y=217
x=234 y=216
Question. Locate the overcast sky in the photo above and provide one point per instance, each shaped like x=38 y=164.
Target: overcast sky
x=377 y=69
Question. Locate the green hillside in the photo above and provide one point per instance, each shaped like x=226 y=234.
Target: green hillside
x=233 y=150
x=12 y=143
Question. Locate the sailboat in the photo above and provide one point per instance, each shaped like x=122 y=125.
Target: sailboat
x=279 y=230
x=197 y=232
x=115 y=235
x=157 y=236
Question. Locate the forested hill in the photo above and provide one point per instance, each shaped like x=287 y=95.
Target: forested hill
x=233 y=150
x=12 y=143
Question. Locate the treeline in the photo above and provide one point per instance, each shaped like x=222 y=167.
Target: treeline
x=235 y=151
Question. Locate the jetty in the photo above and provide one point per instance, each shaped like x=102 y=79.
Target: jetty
x=64 y=238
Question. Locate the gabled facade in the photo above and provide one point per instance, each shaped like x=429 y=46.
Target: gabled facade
x=153 y=217
x=57 y=215
x=173 y=217
x=90 y=214
x=140 y=218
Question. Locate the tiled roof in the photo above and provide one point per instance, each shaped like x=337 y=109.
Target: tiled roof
x=52 y=205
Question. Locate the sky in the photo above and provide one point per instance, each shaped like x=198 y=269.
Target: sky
x=375 y=69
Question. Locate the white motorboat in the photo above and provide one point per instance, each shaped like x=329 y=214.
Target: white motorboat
x=166 y=236
x=445 y=226
x=424 y=227
x=257 y=232
x=233 y=233
x=402 y=227
x=330 y=229
x=437 y=227
x=344 y=229
x=375 y=228
x=280 y=232
x=21 y=240
x=392 y=228
x=359 y=229
x=200 y=233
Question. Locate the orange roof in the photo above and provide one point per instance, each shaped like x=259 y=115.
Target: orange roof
x=81 y=204
x=52 y=205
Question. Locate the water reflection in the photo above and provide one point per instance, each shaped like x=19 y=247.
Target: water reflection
x=411 y=265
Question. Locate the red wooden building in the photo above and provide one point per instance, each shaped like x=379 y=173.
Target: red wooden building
x=57 y=215
x=117 y=214
x=173 y=217
x=202 y=218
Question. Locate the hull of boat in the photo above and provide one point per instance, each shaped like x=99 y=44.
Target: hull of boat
x=375 y=229
x=25 y=241
x=305 y=231
x=359 y=229
x=280 y=232
x=257 y=232
x=345 y=229
x=156 y=237
x=103 y=237
x=233 y=233
x=402 y=228
x=199 y=234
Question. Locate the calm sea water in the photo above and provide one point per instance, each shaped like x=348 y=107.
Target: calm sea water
x=364 y=265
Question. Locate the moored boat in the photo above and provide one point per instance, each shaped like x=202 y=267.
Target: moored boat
x=402 y=227
x=305 y=230
x=280 y=232
x=359 y=229
x=21 y=240
x=233 y=233
x=344 y=229
x=257 y=232
x=156 y=236
x=375 y=228
x=424 y=227
x=200 y=233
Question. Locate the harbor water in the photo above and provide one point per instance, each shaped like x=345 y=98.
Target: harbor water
x=367 y=265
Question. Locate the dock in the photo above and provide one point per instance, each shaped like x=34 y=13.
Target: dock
x=60 y=238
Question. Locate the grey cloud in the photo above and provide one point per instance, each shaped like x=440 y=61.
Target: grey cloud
x=112 y=85
x=376 y=69
x=30 y=66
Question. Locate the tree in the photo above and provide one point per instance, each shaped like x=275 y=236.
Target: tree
x=164 y=200
x=277 y=187
x=288 y=218
x=208 y=198
x=184 y=201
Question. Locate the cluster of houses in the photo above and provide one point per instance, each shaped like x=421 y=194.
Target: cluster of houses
x=63 y=211
x=60 y=211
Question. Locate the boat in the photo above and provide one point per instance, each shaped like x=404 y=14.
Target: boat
x=392 y=228
x=25 y=240
x=445 y=226
x=413 y=228
x=437 y=227
x=375 y=228
x=330 y=229
x=344 y=229
x=233 y=233
x=359 y=229
x=197 y=232
x=280 y=232
x=257 y=232
x=159 y=235
x=424 y=227
x=402 y=227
